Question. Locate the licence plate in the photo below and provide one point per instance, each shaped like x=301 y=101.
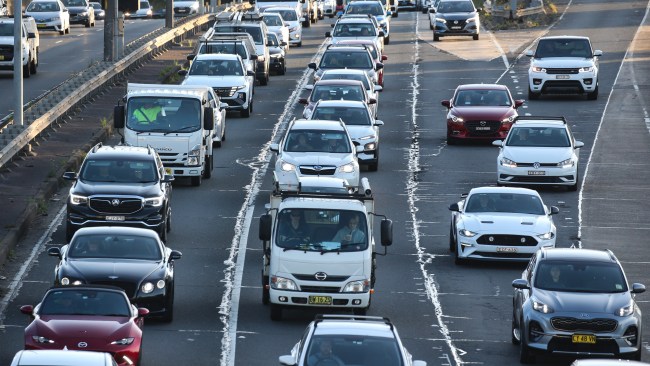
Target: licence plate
x=455 y=27
x=583 y=338
x=482 y=128
x=40 y=25
x=2 y=57
x=320 y=300
x=168 y=171
x=506 y=250
x=536 y=172
x=562 y=76
x=114 y=218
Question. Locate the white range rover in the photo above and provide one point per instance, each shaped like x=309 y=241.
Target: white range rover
x=563 y=63
x=500 y=224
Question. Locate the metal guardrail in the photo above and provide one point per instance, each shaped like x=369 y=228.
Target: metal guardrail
x=505 y=12
x=55 y=104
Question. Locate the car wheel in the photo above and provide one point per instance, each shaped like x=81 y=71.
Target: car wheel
x=169 y=308
x=216 y=143
x=62 y=32
x=87 y=25
x=306 y=23
x=516 y=334
x=475 y=37
x=424 y=10
x=457 y=259
x=452 y=241
x=139 y=362
x=247 y=112
x=169 y=220
x=387 y=40
x=532 y=95
x=207 y=172
x=69 y=232
x=436 y=37
x=196 y=181
x=67 y=30
x=593 y=95
x=525 y=354
x=395 y=14
x=430 y=26
x=276 y=312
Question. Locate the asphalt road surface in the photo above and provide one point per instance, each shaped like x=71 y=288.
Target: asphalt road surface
x=446 y=314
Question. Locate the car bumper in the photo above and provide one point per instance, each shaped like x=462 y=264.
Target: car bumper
x=582 y=82
x=54 y=25
x=469 y=29
x=290 y=176
x=119 y=353
x=79 y=19
x=541 y=176
x=468 y=248
x=147 y=218
x=474 y=130
x=302 y=299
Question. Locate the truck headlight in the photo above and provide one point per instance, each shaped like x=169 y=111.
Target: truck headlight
x=287 y=167
x=281 y=283
x=154 y=201
x=347 y=168
x=508 y=163
x=76 y=199
x=357 y=286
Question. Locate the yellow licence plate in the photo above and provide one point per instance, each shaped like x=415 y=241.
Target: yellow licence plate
x=583 y=338
x=2 y=57
x=168 y=171
x=40 y=25
x=320 y=300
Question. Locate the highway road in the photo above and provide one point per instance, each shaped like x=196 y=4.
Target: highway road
x=446 y=314
x=60 y=57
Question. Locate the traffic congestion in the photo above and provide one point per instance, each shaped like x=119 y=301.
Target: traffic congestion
x=484 y=236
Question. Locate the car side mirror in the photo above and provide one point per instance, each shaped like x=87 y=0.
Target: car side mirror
x=182 y=72
x=379 y=66
x=454 y=207
x=168 y=178
x=266 y=223
x=332 y=25
x=598 y=53
x=27 y=309
x=312 y=65
x=578 y=144
x=143 y=311
x=70 y=176
x=432 y=11
x=519 y=103
x=521 y=284
x=253 y=57
x=274 y=147
x=446 y=103
x=530 y=53
x=382 y=34
x=637 y=288
x=190 y=57
x=379 y=88
x=303 y=101
x=386 y=232
x=283 y=44
x=378 y=122
x=175 y=254
x=250 y=73
x=498 y=143
x=328 y=34
x=54 y=252
x=223 y=105
x=554 y=210
x=287 y=360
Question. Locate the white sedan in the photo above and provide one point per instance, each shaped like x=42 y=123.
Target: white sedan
x=49 y=15
x=500 y=224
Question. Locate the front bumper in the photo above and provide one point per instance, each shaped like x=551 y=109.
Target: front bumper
x=581 y=82
x=338 y=300
x=290 y=176
x=467 y=29
x=147 y=218
x=54 y=25
x=478 y=130
x=469 y=248
x=277 y=64
x=540 y=176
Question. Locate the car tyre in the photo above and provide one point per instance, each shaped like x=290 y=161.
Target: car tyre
x=247 y=112
x=452 y=241
x=169 y=308
x=457 y=259
x=515 y=328
x=88 y=24
x=32 y=66
x=436 y=37
x=162 y=233
x=593 y=95
x=276 y=312
x=525 y=354
x=395 y=15
x=306 y=23
x=27 y=70
x=387 y=40
x=300 y=44
x=169 y=220
x=424 y=10
x=475 y=37
x=62 y=32
x=266 y=294
x=533 y=95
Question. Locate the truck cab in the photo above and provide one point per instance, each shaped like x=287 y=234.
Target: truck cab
x=318 y=245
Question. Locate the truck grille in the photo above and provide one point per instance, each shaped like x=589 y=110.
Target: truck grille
x=512 y=240
x=313 y=170
x=311 y=277
x=225 y=92
x=566 y=324
x=115 y=205
x=321 y=289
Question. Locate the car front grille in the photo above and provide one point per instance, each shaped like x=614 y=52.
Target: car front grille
x=115 y=205
x=482 y=128
x=311 y=277
x=128 y=287
x=541 y=165
x=451 y=24
x=225 y=92
x=312 y=170
x=601 y=325
x=511 y=240
x=561 y=71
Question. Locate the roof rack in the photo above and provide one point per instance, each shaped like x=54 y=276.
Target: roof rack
x=226 y=17
x=252 y=16
x=96 y=147
x=540 y=118
x=322 y=317
x=335 y=45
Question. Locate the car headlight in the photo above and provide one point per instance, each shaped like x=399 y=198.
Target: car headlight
x=76 y=199
x=568 y=163
x=586 y=69
x=626 y=310
x=455 y=118
x=154 y=201
x=65 y=281
x=147 y=287
x=281 y=283
x=369 y=146
x=508 y=163
x=287 y=167
x=357 y=286
x=347 y=168
x=241 y=87
x=546 y=236
x=466 y=233
x=441 y=20
x=541 y=307
x=538 y=69
x=508 y=120
x=83 y=14
x=39 y=339
x=470 y=20
x=123 y=341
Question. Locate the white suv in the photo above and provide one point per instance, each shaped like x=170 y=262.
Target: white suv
x=563 y=63
x=539 y=150
x=316 y=148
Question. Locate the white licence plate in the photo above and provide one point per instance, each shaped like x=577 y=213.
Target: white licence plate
x=455 y=27
x=114 y=218
x=482 y=128
x=562 y=76
x=536 y=172
x=506 y=250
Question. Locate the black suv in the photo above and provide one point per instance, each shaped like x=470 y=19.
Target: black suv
x=120 y=185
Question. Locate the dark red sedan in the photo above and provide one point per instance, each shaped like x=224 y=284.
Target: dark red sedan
x=87 y=318
x=480 y=111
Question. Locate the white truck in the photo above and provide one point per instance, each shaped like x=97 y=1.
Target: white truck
x=180 y=122
x=318 y=247
x=29 y=46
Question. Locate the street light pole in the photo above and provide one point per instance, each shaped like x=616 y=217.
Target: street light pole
x=18 y=62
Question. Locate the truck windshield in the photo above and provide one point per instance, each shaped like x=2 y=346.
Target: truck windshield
x=316 y=230
x=162 y=114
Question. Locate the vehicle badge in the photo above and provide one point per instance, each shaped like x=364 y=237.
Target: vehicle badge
x=82 y=344
x=491 y=238
x=318 y=168
x=320 y=276
x=455 y=21
x=523 y=240
x=584 y=315
x=483 y=123
x=113 y=277
x=536 y=165
x=115 y=202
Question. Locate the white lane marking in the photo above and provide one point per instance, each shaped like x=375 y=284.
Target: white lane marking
x=504 y=57
x=17 y=281
x=233 y=272
x=58 y=41
x=602 y=119
x=412 y=187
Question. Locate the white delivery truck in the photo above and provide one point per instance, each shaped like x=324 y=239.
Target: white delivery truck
x=318 y=246
x=180 y=122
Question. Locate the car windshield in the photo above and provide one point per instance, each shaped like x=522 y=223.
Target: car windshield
x=539 y=137
x=119 y=170
x=455 y=7
x=580 y=276
x=42 y=7
x=273 y=39
x=216 y=68
x=505 y=202
x=287 y=15
x=230 y=48
x=254 y=31
x=97 y=6
x=317 y=141
x=353 y=350
x=338 y=92
x=321 y=230
x=163 y=115
x=360 y=77
x=482 y=98
x=346 y=59
x=563 y=47
x=73 y=2
x=85 y=302
x=272 y=21
x=115 y=246
x=354 y=30
x=373 y=9
x=350 y=116
x=144 y=4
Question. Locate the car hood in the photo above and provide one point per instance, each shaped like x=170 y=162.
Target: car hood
x=583 y=303
x=69 y=330
x=523 y=154
x=357 y=131
x=215 y=81
x=336 y=40
x=319 y=158
x=506 y=223
x=487 y=113
x=93 y=270
x=114 y=189
x=456 y=16
x=563 y=62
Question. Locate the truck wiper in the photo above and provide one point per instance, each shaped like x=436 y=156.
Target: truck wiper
x=149 y=131
x=179 y=130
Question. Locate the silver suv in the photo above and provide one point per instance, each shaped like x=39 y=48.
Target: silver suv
x=578 y=302
x=563 y=63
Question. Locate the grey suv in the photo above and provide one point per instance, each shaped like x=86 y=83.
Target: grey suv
x=577 y=302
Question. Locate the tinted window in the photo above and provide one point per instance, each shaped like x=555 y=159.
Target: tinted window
x=346 y=59
x=6 y=30
x=288 y=15
x=255 y=32
x=583 y=276
x=349 y=350
x=42 y=7
x=505 y=202
x=216 y=68
x=563 y=48
x=374 y=9
x=490 y=98
x=335 y=92
x=539 y=137
x=360 y=77
x=273 y=39
x=317 y=141
x=144 y=4
x=85 y=302
x=354 y=30
x=73 y=2
x=226 y=48
x=455 y=7
x=272 y=21
x=351 y=116
x=115 y=246
x=321 y=230
x=119 y=170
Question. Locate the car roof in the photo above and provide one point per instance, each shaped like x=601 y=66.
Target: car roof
x=563 y=37
x=120 y=151
x=355 y=20
x=578 y=254
x=116 y=230
x=88 y=287
x=481 y=87
x=339 y=82
x=317 y=124
x=61 y=357
x=341 y=103
x=514 y=190
x=218 y=56
x=353 y=327
x=532 y=121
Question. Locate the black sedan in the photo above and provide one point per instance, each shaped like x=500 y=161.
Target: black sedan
x=133 y=259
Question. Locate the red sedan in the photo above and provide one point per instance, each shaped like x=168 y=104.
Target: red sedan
x=480 y=111
x=87 y=318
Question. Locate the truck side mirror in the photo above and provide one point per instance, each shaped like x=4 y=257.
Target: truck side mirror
x=265 y=227
x=208 y=118
x=312 y=65
x=31 y=35
x=190 y=57
x=386 y=232
x=118 y=116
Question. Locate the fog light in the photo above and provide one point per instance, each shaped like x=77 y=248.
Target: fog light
x=588 y=81
x=356 y=302
x=535 y=331
x=283 y=299
x=537 y=81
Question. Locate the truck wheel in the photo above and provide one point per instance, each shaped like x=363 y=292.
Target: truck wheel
x=276 y=312
x=196 y=181
x=207 y=172
x=27 y=70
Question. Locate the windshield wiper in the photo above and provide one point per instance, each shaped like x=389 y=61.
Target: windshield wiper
x=149 y=131
x=179 y=129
